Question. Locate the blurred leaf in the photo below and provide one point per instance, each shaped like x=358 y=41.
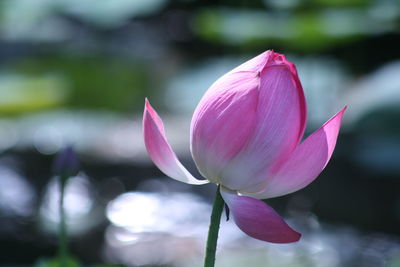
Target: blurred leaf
x=290 y=4
x=25 y=93
x=72 y=262
x=303 y=30
x=240 y=26
x=95 y=82
x=342 y=3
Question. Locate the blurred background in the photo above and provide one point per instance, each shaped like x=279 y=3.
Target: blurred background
x=76 y=73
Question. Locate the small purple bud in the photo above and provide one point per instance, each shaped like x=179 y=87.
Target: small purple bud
x=66 y=163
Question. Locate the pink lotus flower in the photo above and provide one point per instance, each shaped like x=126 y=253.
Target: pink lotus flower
x=246 y=137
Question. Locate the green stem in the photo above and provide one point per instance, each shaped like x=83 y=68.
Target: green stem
x=63 y=237
x=212 y=238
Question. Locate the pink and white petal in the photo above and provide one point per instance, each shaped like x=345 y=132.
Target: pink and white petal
x=258 y=220
x=280 y=122
x=223 y=121
x=306 y=162
x=159 y=149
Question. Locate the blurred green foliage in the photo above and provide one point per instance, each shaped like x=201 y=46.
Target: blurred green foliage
x=22 y=93
x=72 y=263
x=93 y=81
x=305 y=31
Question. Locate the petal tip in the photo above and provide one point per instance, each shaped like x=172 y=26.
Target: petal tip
x=343 y=110
x=147 y=104
x=274 y=58
x=290 y=238
x=337 y=117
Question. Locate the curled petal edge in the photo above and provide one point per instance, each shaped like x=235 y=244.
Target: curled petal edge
x=160 y=150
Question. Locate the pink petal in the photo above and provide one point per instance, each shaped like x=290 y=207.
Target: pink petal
x=223 y=122
x=280 y=123
x=159 y=149
x=306 y=162
x=256 y=64
x=258 y=220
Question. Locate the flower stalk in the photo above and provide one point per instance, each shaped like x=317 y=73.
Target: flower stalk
x=211 y=246
x=65 y=165
x=63 y=236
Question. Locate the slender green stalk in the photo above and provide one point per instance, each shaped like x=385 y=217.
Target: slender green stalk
x=212 y=238
x=63 y=237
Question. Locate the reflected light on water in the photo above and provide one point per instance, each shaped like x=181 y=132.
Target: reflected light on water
x=153 y=212
x=154 y=228
x=138 y=249
x=158 y=229
x=78 y=204
x=48 y=140
x=16 y=194
x=142 y=215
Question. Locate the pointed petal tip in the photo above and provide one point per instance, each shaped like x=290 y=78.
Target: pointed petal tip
x=147 y=107
x=341 y=112
x=337 y=117
x=274 y=58
x=147 y=104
